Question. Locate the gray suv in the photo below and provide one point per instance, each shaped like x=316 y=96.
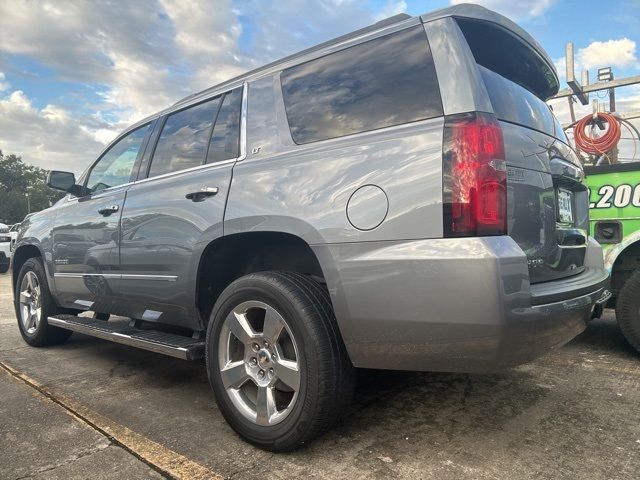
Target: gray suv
x=397 y=198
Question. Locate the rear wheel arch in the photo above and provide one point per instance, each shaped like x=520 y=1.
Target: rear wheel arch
x=230 y=257
x=626 y=262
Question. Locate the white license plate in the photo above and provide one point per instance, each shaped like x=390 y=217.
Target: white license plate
x=565 y=209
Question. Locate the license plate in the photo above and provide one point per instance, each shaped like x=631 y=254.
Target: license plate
x=565 y=209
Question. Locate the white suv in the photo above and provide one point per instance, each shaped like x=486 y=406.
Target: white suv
x=5 y=248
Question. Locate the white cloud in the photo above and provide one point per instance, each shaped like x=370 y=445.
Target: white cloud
x=514 y=9
x=609 y=53
x=288 y=26
x=141 y=56
x=207 y=35
x=393 y=7
x=91 y=42
x=4 y=85
x=614 y=53
x=50 y=137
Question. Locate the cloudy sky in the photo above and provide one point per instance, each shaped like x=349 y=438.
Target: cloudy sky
x=75 y=73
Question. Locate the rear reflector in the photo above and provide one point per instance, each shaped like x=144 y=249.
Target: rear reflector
x=474 y=176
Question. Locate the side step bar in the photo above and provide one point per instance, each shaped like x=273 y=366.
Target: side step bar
x=178 y=346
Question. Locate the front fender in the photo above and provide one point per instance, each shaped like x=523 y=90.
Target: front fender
x=36 y=232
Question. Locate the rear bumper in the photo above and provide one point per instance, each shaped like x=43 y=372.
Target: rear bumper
x=457 y=305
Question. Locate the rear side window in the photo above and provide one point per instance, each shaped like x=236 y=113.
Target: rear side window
x=387 y=81
x=184 y=138
x=515 y=104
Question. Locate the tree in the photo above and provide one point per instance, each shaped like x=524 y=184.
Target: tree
x=17 y=180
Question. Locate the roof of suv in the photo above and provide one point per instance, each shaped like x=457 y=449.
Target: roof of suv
x=469 y=11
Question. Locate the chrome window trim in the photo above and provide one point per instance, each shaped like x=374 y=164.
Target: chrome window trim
x=243 y=122
x=187 y=170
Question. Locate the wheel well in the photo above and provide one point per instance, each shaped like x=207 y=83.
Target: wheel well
x=626 y=263
x=231 y=257
x=20 y=256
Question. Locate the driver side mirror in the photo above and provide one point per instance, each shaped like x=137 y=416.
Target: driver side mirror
x=65 y=181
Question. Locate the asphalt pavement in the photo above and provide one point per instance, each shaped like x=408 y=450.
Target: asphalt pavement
x=94 y=409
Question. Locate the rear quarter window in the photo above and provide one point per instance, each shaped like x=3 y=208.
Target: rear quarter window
x=387 y=81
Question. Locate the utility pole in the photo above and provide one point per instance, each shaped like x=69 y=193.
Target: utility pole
x=26 y=194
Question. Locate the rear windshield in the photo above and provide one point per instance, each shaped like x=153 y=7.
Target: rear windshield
x=503 y=52
x=515 y=75
x=514 y=104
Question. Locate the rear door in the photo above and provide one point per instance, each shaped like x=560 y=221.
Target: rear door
x=177 y=208
x=546 y=200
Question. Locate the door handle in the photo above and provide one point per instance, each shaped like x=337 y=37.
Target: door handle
x=201 y=194
x=106 y=211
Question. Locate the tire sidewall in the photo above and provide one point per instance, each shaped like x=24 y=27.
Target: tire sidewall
x=256 y=288
x=34 y=265
x=628 y=310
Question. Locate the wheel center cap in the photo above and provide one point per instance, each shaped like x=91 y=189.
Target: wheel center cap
x=264 y=359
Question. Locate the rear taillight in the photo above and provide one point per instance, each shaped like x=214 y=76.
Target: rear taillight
x=474 y=176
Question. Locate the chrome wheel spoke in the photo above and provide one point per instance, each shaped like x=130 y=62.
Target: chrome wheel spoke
x=265 y=406
x=239 y=326
x=31 y=321
x=287 y=372
x=251 y=371
x=234 y=374
x=30 y=297
x=272 y=325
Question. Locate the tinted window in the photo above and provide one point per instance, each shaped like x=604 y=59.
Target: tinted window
x=503 y=52
x=225 y=139
x=387 y=81
x=515 y=104
x=184 y=139
x=115 y=166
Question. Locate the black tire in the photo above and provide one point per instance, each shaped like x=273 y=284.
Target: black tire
x=327 y=376
x=628 y=310
x=4 y=268
x=44 y=333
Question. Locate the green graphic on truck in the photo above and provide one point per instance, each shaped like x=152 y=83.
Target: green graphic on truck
x=615 y=222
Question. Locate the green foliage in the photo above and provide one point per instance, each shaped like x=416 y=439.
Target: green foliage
x=18 y=179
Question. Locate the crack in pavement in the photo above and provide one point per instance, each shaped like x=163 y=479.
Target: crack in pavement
x=166 y=462
x=48 y=468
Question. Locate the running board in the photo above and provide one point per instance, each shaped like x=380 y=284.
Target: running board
x=178 y=346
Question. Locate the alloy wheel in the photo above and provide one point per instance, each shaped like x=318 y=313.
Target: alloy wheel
x=259 y=363
x=30 y=302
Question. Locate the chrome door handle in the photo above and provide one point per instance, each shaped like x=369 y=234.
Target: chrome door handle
x=106 y=211
x=201 y=194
